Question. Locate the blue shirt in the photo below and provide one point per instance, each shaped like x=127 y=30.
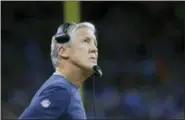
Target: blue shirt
x=56 y=99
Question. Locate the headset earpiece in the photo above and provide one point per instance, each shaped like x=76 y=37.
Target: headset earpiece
x=62 y=36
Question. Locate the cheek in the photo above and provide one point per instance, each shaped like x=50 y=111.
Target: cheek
x=80 y=52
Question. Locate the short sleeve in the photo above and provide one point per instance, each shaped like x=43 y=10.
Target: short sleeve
x=50 y=104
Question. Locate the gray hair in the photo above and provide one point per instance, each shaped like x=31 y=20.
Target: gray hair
x=55 y=46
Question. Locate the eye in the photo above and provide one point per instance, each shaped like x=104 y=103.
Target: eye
x=86 y=40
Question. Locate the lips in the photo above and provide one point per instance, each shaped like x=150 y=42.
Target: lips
x=93 y=58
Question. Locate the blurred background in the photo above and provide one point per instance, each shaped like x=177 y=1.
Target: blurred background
x=141 y=53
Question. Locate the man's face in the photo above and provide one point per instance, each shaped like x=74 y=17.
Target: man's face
x=83 y=50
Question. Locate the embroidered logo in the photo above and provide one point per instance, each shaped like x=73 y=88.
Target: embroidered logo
x=45 y=103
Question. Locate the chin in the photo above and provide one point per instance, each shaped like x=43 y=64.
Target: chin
x=89 y=67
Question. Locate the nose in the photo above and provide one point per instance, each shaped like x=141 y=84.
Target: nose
x=94 y=49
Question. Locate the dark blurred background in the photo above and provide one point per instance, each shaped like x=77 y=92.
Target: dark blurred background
x=141 y=52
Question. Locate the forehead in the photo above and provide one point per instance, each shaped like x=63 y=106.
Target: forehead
x=85 y=32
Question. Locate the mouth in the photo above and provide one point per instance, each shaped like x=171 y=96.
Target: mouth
x=93 y=59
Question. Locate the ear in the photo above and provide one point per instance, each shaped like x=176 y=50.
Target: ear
x=64 y=52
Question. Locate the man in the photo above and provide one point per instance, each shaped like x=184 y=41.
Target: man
x=73 y=53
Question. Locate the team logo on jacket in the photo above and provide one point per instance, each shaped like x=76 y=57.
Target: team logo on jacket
x=45 y=103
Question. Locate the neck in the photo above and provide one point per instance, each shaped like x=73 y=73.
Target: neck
x=73 y=74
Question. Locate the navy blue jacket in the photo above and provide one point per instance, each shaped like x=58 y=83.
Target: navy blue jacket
x=56 y=99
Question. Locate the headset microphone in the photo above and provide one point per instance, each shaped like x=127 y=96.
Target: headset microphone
x=97 y=72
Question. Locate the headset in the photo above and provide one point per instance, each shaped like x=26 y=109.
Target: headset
x=62 y=36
